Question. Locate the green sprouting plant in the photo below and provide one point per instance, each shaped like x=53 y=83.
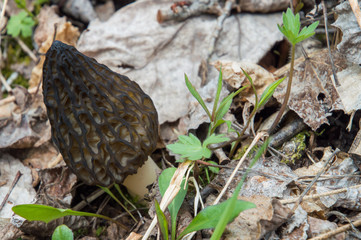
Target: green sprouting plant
x=259 y=103
x=62 y=232
x=190 y=147
x=215 y=216
x=291 y=30
x=22 y=23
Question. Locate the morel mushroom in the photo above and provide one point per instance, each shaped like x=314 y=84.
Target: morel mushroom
x=103 y=124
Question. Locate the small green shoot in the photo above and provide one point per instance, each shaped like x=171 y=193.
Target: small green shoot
x=162 y=221
x=35 y=212
x=163 y=182
x=259 y=103
x=291 y=30
x=20 y=24
x=191 y=148
x=218 y=112
x=62 y=232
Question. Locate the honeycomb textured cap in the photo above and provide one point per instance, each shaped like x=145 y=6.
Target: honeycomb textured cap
x=103 y=124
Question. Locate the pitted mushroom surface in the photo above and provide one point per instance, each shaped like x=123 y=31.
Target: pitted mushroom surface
x=103 y=124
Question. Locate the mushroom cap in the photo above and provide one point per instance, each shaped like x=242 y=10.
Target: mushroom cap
x=102 y=123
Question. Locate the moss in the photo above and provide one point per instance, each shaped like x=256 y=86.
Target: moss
x=293 y=150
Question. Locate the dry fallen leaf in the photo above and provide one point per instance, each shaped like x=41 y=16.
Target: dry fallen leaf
x=313 y=94
x=351 y=32
x=233 y=75
x=126 y=44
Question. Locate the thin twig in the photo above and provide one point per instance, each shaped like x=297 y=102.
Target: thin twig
x=328 y=45
x=313 y=181
x=315 y=196
x=12 y=98
x=254 y=142
x=5 y=83
x=26 y=49
x=16 y=179
x=225 y=13
x=344 y=228
x=89 y=199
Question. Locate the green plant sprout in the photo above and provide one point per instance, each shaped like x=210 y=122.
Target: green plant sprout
x=62 y=232
x=291 y=30
x=22 y=23
x=259 y=103
x=215 y=216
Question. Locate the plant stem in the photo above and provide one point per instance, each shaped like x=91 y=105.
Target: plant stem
x=288 y=92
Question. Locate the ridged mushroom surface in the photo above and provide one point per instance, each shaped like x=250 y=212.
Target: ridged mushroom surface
x=103 y=124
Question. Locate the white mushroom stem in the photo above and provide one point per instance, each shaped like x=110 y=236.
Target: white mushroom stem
x=146 y=175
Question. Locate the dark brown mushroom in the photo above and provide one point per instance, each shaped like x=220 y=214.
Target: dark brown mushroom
x=103 y=124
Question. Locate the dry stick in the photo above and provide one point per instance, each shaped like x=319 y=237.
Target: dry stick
x=356 y=10
x=16 y=179
x=314 y=196
x=313 y=181
x=89 y=199
x=170 y=193
x=344 y=228
x=26 y=49
x=328 y=44
x=5 y=83
x=12 y=98
x=226 y=11
x=1 y=21
x=255 y=140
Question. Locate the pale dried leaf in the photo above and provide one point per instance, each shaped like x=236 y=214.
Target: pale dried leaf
x=256 y=222
x=313 y=94
x=127 y=44
x=351 y=32
x=233 y=75
x=23 y=192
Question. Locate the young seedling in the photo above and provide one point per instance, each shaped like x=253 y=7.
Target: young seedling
x=291 y=30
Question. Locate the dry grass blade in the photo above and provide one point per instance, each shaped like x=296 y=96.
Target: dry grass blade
x=170 y=194
x=254 y=142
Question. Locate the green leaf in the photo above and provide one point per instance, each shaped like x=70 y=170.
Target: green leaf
x=213 y=169
x=196 y=95
x=21 y=4
x=268 y=92
x=21 y=23
x=163 y=182
x=34 y=212
x=62 y=232
x=209 y=217
x=291 y=28
x=226 y=103
x=214 y=139
x=220 y=122
x=189 y=147
x=162 y=221
x=252 y=85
